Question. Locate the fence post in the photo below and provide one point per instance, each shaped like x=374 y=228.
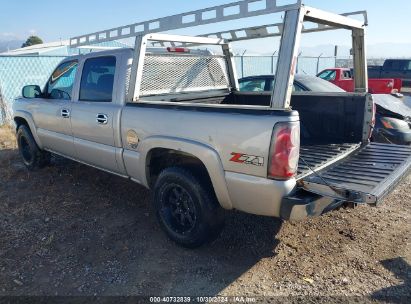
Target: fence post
x=272 y=62
x=3 y=110
x=242 y=66
x=318 y=63
x=298 y=63
x=242 y=63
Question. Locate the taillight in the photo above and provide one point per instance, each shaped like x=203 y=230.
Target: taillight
x=284 y=151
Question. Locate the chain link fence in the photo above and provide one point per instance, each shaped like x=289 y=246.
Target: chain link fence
x=18 y=71
x=4 y=110
x=248 y=65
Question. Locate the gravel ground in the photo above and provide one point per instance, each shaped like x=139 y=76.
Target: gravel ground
x=72 y=230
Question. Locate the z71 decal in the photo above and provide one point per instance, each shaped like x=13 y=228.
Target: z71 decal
x=247 y=159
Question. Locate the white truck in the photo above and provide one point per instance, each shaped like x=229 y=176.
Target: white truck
x=172 y=119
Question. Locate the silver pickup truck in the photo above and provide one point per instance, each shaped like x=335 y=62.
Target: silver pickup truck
x=172 y=119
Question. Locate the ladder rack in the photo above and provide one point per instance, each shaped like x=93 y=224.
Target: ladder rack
x=268 y=30
x=273 y=30
x=226 y=12
x=295 y=14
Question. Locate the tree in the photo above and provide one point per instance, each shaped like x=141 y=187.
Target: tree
x=32 y=40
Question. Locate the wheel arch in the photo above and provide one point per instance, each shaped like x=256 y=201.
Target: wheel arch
x=25 y=118
x=188 y=153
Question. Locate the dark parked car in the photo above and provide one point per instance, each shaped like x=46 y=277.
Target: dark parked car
x=393 y=68
x=393 y=117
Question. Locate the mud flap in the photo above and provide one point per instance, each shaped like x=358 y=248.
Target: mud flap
x=365 y=177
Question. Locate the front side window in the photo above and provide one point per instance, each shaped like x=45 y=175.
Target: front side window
x=60 y=84
x=254 y=85
x=328 y=75
x=97 y=79
x=388 y=65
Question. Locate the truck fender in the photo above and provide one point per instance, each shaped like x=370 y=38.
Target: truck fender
x=19 y=114
x=207 y=155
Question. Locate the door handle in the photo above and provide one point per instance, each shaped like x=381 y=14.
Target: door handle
x=101 y=119
x=65 y=113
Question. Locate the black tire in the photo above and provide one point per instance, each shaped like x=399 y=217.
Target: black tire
x=32 y=156
x=187 y=208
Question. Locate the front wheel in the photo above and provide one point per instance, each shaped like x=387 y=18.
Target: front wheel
x=187 y=208
x=32 y=156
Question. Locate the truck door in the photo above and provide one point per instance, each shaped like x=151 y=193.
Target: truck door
x=52 y=112
x=347 y=82
x=95 y=114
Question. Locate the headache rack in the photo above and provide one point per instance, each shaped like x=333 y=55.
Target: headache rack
x=290 y=31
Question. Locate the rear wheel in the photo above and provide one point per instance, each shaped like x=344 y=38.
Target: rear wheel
x=187 y=208
x=32 y=156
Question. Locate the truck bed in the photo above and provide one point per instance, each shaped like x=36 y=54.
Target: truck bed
x=331 y=123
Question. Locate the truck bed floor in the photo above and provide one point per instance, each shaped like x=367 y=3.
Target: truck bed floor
x=315 y=157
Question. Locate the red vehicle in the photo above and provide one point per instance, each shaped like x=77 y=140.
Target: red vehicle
x=343 y=78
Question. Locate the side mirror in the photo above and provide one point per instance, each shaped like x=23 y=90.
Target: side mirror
x=31 y=91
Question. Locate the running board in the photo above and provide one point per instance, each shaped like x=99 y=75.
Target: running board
x=364 y=177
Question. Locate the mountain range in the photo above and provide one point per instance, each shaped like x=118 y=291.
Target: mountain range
x=6 y=45
x=380 y=50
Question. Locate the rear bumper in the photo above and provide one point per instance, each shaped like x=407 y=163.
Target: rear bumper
x=282 y=199
x=305 y=204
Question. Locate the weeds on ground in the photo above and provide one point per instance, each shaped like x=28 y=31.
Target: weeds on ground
x=7 y=138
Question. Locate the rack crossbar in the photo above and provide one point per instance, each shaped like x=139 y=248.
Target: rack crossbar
x=226 y=12
x=272 y=30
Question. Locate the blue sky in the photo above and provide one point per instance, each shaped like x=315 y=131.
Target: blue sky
x=389 y=21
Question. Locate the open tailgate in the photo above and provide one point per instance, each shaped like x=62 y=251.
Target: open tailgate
x=365 y=176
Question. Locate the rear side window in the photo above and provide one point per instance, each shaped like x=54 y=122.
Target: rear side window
x=97 y=79
x=347 y=74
